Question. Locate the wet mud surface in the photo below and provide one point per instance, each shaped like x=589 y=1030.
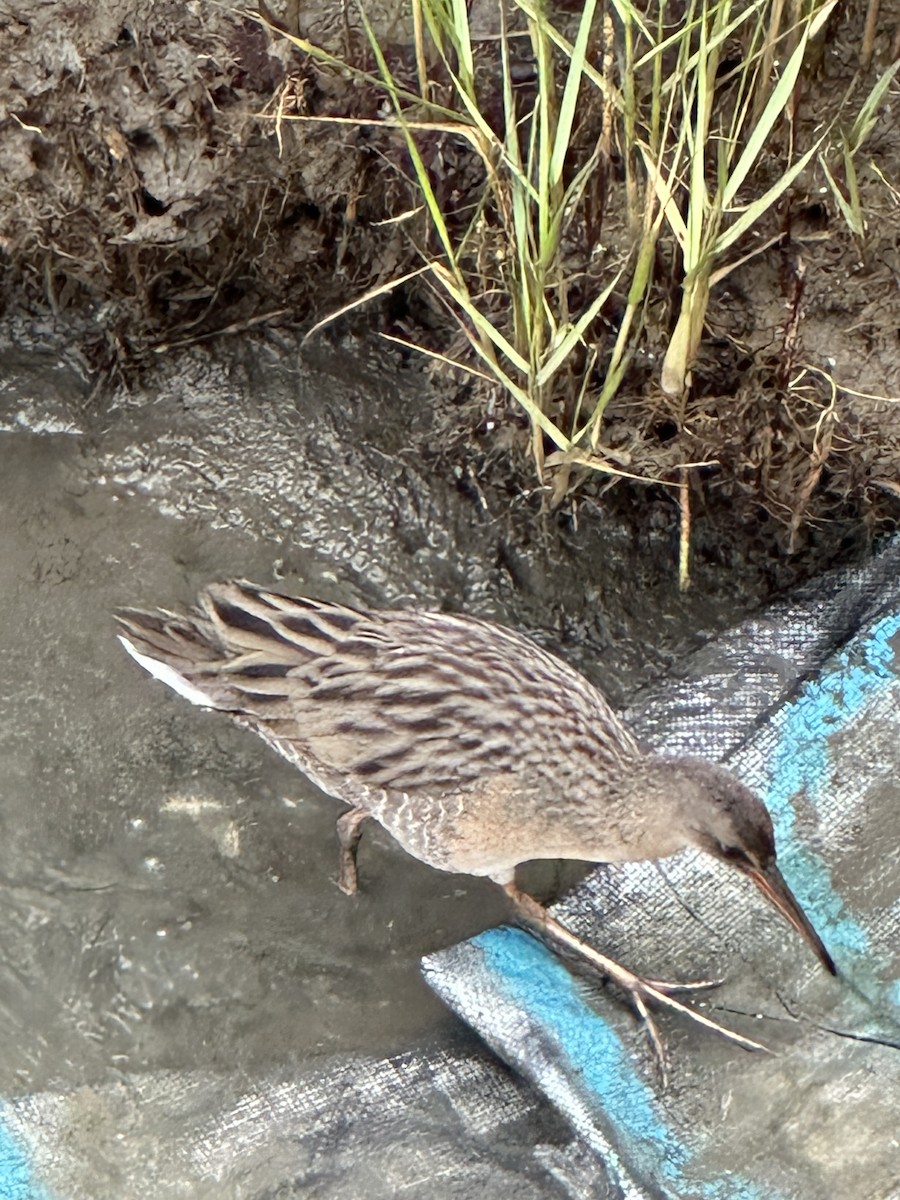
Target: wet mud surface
x=174 y=937
x=170 y=910
x=170 y=880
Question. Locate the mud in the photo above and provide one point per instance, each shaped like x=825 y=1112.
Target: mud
x=180 y=875
x=151 y=199
x=170 y=921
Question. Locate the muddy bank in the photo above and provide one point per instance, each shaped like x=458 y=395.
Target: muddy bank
x=150 y=201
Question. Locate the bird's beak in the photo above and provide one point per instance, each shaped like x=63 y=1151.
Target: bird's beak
x=771 y=883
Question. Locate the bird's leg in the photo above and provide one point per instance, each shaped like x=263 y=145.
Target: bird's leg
x=349 y=831
x=535 y=917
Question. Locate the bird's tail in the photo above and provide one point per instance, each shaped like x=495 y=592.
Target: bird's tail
x=183 y=651
x=241 y=642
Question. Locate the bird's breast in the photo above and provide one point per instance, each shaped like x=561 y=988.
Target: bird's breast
x=490 y=826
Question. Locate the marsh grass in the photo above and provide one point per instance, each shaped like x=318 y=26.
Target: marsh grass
x=849 y=144
x=700 y=99
x=713 y=149
x=506 y=271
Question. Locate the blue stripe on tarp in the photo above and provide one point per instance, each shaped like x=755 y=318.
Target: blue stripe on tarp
x=801 y=765
x=16 y=1177
x=537 y=981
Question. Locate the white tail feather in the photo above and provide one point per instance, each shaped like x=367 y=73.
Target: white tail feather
x=168 y=675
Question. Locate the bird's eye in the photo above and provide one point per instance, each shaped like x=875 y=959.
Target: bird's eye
x=736 y=855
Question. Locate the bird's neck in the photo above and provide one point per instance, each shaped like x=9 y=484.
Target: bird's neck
x=639 y=813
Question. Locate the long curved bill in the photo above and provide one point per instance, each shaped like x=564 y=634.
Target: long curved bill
x=771 y=883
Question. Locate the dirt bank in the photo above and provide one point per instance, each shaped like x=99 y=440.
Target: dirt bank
x=149 y=199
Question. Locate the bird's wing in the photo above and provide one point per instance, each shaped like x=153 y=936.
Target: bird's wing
x=394 y=699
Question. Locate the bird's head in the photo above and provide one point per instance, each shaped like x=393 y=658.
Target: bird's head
x=730 y=822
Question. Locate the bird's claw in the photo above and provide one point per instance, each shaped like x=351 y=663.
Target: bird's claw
x=653 y=1036
x=672 y=989
x=643 y=990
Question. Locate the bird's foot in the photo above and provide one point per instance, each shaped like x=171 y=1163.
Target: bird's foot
x=694 y=985
x=642 y=992
x=347 y=878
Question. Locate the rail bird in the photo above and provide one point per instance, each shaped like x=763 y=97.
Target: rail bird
x=474 y=747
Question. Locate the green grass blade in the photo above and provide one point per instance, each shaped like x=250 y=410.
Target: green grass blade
x=572 y=88
x=573 y=335
x=775 y=108
x=664 y=187
x=607 y=90
x=841 y=201
x=538 y=418
x=422 y=177
x=752 y=213
x=480 y=322
x=320 y=55
x=462 y=43
x=868 y=115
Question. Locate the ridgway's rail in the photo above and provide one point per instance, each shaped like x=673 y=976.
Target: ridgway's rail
x=476 y=749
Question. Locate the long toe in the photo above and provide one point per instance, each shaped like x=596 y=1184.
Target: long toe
x=695 y=985
x=653 y=1036
x=643 y=993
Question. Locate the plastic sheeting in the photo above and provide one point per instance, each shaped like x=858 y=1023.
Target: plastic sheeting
x=804 y=704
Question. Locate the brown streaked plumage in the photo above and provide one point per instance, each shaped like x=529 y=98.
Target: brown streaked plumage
x=476 y=749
